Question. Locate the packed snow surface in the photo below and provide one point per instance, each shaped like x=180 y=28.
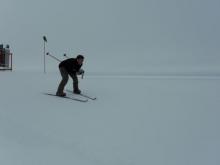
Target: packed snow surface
x=136 y=120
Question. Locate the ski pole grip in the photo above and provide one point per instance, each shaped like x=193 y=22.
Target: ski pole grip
x=82 y=75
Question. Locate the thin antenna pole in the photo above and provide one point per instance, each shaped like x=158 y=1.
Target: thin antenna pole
x=45 y=40
x=44 y=58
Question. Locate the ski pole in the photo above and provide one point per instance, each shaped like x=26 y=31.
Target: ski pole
x=53 y=57
x=65 y=55
x=82 y=75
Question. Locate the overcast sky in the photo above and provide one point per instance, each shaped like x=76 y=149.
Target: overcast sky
x=119 y=34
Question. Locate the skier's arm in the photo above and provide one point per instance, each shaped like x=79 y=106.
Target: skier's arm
x=81 y=72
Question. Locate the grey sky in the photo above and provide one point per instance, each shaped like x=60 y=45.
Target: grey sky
x=156 y=34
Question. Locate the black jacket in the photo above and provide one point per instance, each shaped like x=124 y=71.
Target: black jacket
x=70 y=65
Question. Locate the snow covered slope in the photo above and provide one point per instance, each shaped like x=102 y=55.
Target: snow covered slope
x=135 y=120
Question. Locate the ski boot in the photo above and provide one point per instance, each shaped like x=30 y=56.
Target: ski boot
x=76 y=89
x=61 y=94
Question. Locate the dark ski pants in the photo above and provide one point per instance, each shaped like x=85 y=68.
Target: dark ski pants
x=65 y=76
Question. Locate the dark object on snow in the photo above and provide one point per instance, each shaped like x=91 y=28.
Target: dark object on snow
x=5 y=58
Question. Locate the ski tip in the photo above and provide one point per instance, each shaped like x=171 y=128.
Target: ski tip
x=82 y=94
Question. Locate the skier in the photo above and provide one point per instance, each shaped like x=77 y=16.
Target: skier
x=70 y=67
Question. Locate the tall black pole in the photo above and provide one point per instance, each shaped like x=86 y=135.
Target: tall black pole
x=44 y=58
x=45 y=40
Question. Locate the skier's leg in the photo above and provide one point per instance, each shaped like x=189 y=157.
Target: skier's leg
x=75 y=84
x=63 y=82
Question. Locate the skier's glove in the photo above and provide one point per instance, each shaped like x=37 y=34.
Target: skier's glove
x=80 y=72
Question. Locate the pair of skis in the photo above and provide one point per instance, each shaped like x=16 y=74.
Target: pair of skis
x=84 y=99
